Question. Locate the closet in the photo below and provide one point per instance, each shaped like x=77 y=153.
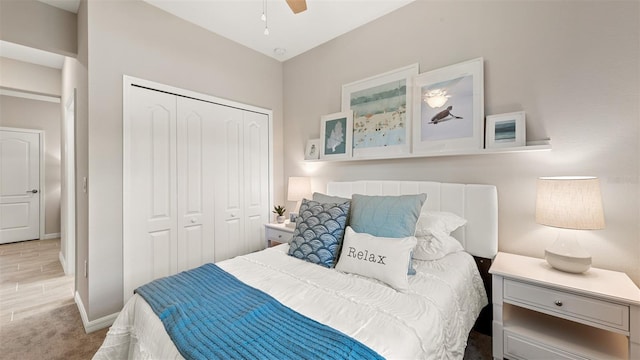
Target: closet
x=196 y=181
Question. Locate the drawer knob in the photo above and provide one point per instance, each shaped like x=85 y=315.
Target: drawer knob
x=279 y=236
x=558 y=303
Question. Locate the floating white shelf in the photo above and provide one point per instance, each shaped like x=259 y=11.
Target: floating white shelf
x=541 y=145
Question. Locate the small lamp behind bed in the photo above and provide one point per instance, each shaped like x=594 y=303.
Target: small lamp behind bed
x=569 y=203
x=299 y=188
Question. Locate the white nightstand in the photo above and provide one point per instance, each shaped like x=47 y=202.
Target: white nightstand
x=543 y=313
x=277 y=234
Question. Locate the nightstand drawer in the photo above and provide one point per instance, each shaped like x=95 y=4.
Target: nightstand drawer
x=280 y=236
x=517 y=347
x=570 y=306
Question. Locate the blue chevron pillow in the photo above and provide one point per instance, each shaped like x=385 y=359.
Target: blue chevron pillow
x=319 y=232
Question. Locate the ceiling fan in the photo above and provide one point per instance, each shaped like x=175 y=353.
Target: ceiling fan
x=297 y=6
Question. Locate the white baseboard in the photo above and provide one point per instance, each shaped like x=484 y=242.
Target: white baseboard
x=63 y=262
x=94 y=325
x=51 y=236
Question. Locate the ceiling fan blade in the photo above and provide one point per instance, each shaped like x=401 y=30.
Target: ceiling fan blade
x=297 y=6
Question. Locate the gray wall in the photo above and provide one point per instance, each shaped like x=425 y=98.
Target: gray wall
x=139 y=40
x=571 y=66
x=75 y=75
x=29 y=77
x=36 y=24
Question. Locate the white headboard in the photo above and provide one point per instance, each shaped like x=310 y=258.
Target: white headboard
x=474 y=202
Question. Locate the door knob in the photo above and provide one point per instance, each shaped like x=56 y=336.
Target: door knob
x=32 y=191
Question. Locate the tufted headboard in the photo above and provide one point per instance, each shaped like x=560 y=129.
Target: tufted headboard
x=474 y=202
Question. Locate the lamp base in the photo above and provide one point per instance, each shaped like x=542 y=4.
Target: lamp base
x=568 y=264
x=567 y=255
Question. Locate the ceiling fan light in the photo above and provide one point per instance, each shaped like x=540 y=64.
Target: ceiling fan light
x=297 y=6
x=266 y=31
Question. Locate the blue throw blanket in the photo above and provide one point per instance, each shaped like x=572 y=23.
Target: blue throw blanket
x=210 y=314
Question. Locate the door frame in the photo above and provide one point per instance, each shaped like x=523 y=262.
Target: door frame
x=69 y=129
x=41 y=185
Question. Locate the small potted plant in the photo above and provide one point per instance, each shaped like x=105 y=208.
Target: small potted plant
x=280 y=211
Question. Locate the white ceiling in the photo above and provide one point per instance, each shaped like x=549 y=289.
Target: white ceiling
x=239 y=20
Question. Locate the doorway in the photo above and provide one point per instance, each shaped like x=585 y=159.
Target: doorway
x=47 y=115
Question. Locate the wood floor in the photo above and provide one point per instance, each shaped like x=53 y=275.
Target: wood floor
x=32 y=280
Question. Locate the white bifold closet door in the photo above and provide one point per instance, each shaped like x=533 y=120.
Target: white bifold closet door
x=196 y=184
x=242 y=185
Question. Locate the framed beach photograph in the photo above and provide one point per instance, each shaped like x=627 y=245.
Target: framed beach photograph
x=505 y=130
x=381 y=108
x=449 y=108
x=336 y=135
x=312 y=150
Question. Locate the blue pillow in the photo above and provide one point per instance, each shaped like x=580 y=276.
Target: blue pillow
x=322 y=198
x=386 y=216
x=319 y=232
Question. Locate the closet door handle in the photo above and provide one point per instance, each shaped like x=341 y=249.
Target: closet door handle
x=35 y=191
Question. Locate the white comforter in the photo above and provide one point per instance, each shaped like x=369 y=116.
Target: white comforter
x=431 y=321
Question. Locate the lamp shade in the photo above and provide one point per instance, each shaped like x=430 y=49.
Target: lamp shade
x=569 y=202
x=299 y=188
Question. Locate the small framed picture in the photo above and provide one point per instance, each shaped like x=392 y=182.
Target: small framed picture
x=293 y=217
x=505 y=130
x=312 y=150
x=336 y=134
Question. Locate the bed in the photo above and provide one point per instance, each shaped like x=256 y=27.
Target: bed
x=427 y=317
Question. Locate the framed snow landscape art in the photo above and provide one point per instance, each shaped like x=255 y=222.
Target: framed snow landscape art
x=335 y=135
x=448 y=107
x=381 y=122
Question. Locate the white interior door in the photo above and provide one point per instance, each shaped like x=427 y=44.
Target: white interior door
x=150 y=188
x=19 y=186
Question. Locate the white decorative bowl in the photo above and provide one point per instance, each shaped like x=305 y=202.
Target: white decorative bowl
x=572 y=264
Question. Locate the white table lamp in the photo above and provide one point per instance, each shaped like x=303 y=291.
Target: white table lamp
x=569 y=203
x=298 y=189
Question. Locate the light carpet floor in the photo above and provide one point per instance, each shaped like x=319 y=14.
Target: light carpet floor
x=56 y=334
